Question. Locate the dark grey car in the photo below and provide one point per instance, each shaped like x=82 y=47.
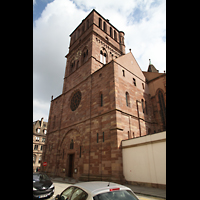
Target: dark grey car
x=42 y=186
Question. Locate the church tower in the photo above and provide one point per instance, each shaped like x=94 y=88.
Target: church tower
x=93 y=43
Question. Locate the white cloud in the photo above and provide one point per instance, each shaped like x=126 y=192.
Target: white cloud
x=34 y=2
x=144 y=24
x=40 y=109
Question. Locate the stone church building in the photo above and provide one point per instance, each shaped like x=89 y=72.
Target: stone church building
x=106 y=98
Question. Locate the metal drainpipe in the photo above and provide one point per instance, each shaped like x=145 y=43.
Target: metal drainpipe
x=138 y=116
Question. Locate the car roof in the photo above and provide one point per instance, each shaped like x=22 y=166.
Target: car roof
x=98 y=187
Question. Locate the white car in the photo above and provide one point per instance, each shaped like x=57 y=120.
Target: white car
x=97 y=190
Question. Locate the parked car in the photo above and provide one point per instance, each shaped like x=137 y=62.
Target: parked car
x=42 y=186
x=98 y=190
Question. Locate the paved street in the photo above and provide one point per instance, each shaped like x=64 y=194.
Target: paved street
x=59 y=187
x=144 y=197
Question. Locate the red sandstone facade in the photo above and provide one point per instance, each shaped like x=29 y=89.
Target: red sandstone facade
x=105 y=99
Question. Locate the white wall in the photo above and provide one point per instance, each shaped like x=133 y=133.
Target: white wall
x=144 y=159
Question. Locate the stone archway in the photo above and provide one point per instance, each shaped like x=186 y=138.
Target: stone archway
x=70 y=153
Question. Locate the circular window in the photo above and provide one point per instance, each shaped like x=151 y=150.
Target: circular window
x=75 y=100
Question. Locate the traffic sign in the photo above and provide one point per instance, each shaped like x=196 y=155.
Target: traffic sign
x=44 y=164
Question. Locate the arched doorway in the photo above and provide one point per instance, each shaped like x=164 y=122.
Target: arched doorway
x=70 y=152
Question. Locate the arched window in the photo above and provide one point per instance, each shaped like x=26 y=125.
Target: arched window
x=72 y=144
x=104 y=26
x=115 y=35
x=162 y=108
x=111 y=32
x=127 y=99
x=100 y=23
x=102 y=57
x=142 y=105
x=85 y=55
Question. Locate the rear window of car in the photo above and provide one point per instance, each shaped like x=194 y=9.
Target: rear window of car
x=116 y=195
x=39 y=177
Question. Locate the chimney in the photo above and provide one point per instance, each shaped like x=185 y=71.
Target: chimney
x=41 y=123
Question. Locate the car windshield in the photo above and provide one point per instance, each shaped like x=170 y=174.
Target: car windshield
x=116 y=195
x=39 y=177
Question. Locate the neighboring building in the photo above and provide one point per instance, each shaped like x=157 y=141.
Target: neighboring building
x=105 y=99
x=144 y=160
x=157 y=90
x=39 y=137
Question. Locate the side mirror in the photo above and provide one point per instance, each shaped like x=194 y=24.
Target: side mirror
x=57 y=197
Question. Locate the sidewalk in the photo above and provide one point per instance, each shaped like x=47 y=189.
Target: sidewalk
x=155 y=192
x=66 y=180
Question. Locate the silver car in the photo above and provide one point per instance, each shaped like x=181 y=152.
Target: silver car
x=97 y=190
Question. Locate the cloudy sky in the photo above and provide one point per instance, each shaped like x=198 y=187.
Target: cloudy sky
x=143 y=22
